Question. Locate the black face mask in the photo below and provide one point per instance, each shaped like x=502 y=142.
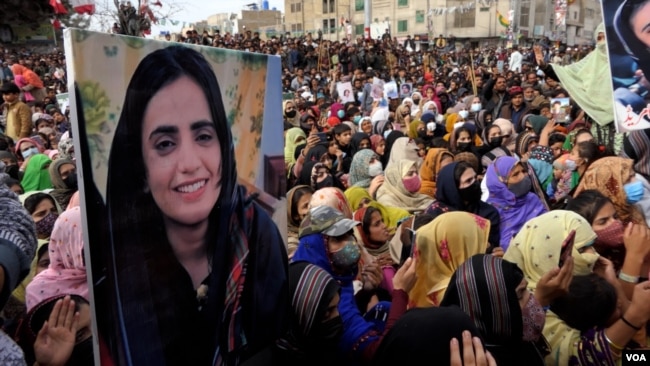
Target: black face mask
x=82 y=354
x=464 y=146
x=71 y=181
x=330 y=330
x=471 y=194
x=12 y=171
x=423 y=134
x=496 y=141
x=327 y=182
x=416 y=101
x=290 y=114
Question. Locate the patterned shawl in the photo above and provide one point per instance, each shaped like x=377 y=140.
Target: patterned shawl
x=359 y=176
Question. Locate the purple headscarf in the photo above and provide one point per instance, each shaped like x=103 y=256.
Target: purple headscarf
x=514 y=212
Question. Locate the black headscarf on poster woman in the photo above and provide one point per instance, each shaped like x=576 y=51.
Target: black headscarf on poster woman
x=639 y=51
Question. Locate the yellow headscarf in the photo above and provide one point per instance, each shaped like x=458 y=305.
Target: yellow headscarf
x=19 y=292
x=391 y=215
x=441 y=247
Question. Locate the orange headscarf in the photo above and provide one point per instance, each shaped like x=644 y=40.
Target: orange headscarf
x=430 y=168
x=30 y=76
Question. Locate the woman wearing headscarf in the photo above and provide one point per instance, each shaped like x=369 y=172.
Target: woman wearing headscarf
x=391 y=139
x=366 y=171
x=402 y=148
x=459 y=190
x=359 y=141
x=507 y=132
x=493 y=293
x=401 y=187
x=636 y=146
x=37 y=176
x=34 y=84
x=298 y=199
x=294 y=137
x=358 y=198
x=536 y=250
x=290 y=113
x=441 y=247
x=509 y=186
x=332 y=197
x=615 y=179
x=423 y=336
x=63 y=175
x=378 y=144
x=316 y=326
x=436 y=159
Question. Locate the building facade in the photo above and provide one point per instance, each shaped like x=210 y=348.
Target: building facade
x=427 y=19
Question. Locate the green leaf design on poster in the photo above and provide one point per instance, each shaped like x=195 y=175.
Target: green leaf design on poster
x=81 y=35
x=214 y=54
x=134 y=42
x=95 y=109
x=256 y=123
x=253 y=61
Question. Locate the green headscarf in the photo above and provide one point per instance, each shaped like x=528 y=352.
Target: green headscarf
x=37 y=175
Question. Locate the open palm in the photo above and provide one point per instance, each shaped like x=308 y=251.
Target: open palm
x=56 y=339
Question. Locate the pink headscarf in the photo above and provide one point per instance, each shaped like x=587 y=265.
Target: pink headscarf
x=66 y=274
x=26 y=139
x=21 y=83
x=74 y=201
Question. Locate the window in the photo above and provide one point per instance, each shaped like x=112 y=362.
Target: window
x=358 y=29
x=575 y=15
x=296 y=7
x=402 y=26
x=465 y=19
x=402 y=2
x=590 y=12
x=358 y=5
x=329 y=6
x=524 y=15
x=329 y=26
x=296 y=27
x=419 y=16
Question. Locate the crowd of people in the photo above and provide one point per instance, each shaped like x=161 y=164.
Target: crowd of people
x=471 y=221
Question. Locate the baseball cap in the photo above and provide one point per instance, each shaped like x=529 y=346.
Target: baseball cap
x=326 y=220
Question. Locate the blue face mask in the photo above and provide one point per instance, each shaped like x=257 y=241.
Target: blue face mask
x=340 y=113
x=634 y=192
x=357 y=119
x=386 y=133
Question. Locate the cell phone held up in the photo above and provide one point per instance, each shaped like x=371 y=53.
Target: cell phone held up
x=567 y=248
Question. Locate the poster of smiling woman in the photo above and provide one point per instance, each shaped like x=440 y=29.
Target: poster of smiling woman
x=186 y=265
x=628 y=42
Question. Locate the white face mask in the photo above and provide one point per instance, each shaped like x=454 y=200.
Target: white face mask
x=29 y=152
x=463 y=114
x=476 y=107
x=375 y=169
x=431 y=126
x=440 y=118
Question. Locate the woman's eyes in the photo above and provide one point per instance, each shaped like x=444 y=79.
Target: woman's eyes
x=164 y=145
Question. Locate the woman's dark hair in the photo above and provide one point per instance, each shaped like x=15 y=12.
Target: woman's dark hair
x=590 y=303
x=587 y=204
x=145 y=273
x=590 y=151
x=297 y=195
x=367 y=220
x=556 y=137
x=460 y=168
x=458 y=131
x=581 y=132
x=32 y=201
x=42 y=250
x=439 y=142
x=41 y=313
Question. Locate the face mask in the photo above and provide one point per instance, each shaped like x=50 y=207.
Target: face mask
x=326 y=334
x=45 y=226
x=463 y=114
x=431 y=126
x=496 y=141
x=423 y=134
x=29 y=152
x=327 y=182
x=533 y=317
x=317 y=77
x=464 y=146
x=82 y=354
x=290 y=114
x=583 y=264
x=412 y=184
x=634 y=192
x=610 y=236
x=375 y=169
x=71 y=181
x=440 y=118
x=570 y=165
x=357 y=119
x=12 y=170
x=471 y=194
x=476 y=107
x=340 y=114
x=386 y=133
x=347 y=257
x=522 y=188
x=416 y=101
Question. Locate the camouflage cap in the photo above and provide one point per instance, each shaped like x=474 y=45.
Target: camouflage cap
x=326 y=220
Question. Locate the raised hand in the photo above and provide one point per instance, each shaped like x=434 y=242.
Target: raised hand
x=56 y=339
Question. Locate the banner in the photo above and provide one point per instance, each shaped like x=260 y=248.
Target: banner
x=629 y=61
x=174 y=141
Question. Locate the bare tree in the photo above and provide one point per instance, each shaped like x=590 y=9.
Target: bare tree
x=132 y=18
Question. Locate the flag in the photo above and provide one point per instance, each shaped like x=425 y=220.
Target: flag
x=83 y=6
x=502 y=20
x=56 y=23
x=58 y=7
